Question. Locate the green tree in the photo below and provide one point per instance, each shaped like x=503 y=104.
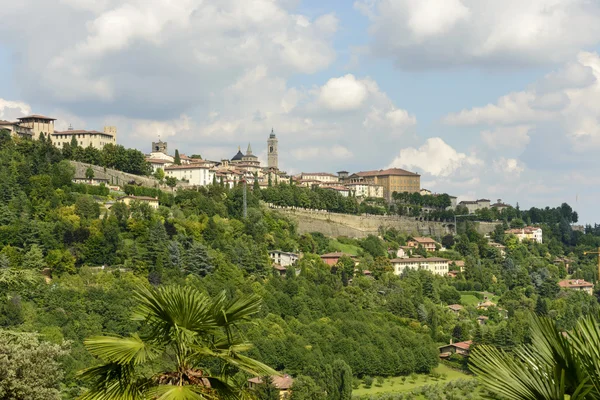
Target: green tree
x=267 y=390
x=87 y=208
x=177 y=159
x=34 y=258
x=159 y=174
x=305 y=388
x=341 y=381
x=89 y=173
x=171 y=181
x=29 y=367
x=197 y=261
x=183 y=325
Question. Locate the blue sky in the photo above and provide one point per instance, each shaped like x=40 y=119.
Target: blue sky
x=482 y=98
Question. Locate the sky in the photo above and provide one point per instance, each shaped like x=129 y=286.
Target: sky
x=483 y=98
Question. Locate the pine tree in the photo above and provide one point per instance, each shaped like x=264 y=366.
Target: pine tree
x=197 y=260
x=34 y=259
x=177 y=160
x=341 y=381
x=541 y=308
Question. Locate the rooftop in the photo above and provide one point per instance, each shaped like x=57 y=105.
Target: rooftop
x=386 y=172
x=317 y=174
x=423 y=240
x=337 y=254
x=187 y=166
x=37 y=116
x=455 y=307
x=280 y=382
x=413 y=260
x=573 y=283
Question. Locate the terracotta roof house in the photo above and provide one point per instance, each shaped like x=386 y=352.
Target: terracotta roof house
x=485 y=305
x=577 y=284
x=333 y=258
x=455 y=308
x=284 y=383
x=460 y=348
x=428 y=243
x=482 y=319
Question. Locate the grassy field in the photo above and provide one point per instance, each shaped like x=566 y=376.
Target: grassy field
x=395 y=385
x=469 y=300
x=345 y=248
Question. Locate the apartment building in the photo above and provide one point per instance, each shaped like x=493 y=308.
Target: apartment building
x=391 y=179
x=434 y=265
x=194 y=174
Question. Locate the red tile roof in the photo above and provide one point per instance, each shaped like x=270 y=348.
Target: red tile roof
x=463 y=345
x=423 y=240
x=412 y=260
x=79 y=131
x=187 y=166
x=280 y=382
x=574 y=283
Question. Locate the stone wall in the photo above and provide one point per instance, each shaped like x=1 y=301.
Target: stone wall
x=359 y=226
x=114 y=177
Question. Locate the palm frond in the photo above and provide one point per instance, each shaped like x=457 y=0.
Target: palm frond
x=183 y=392
x=228 y=312
x=121 y=350
x=113 y=381
x=586 y=341
x=234 y=358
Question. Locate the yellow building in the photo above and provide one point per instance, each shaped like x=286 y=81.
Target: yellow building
x=128 y=200
x=16 y=129
x=392 y=180
x=86 y=138
x=38 y=124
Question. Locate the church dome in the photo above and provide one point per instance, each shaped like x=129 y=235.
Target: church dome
x=238 y=156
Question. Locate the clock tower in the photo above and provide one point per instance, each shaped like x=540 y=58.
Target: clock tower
x=272 y=161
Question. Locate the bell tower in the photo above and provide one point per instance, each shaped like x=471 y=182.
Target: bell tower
x=272 y=159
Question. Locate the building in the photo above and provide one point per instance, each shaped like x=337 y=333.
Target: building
x=425 y=192
x=284 y=383
x=194 y=174
x=577 y=284
x=283 y=258
x=460 y=348
x=499 y=205
x=323 y=177
x=434 y=265
x=364 y=190
x=455 y=308
x=38 y=124
x=482 y=320
x=93 y=181
x=428 y=243
x=485 y=305
x=159 y=147
x=85 y=138
x=332 y=258
x=272 y=152
x=151 y=201
x=157 y=163
x=343 y=175
x=281 y=270
x=344 y=191
x=16 y=129
x=392 y=180
x=473 y=206
x=532 y=233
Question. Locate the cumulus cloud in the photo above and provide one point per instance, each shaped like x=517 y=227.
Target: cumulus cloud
x=436 y=158
x=435 y=33
x=343 y=94
x=512 y=137
x=10 y=110
x=510 y=166
x=308 y=153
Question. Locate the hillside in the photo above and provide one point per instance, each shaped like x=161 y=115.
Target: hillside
x=328 y=327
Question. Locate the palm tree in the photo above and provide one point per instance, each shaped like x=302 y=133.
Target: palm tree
x=183 y=330
x=556 y=365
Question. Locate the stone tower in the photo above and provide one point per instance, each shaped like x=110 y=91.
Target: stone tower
x=159 y=146
x=272 y=159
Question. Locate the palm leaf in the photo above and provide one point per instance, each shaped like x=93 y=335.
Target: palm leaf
x=121 y=350
x=184 y=392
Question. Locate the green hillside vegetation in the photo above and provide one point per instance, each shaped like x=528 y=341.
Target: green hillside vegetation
x=71 y=258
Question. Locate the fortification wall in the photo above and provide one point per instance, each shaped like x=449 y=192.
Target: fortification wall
x=114 y=177
x=359 y=226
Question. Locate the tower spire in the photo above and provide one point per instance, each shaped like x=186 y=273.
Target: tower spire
x=249 y=151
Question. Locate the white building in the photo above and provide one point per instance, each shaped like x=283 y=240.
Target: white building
x=324 y=177
x=532 y=233
x=363 y=189
x=196 y=175
x=434 y=265
x=283 y=258
x=473 y=206
x=157 y=163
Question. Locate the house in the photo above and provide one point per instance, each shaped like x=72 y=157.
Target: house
x=428 y=243
x=284 y=383
x=402 y=252
x=344 y=191
x=460 y=348
x=157 y=163
x=565 y=261
x=425 y=192
x=16 y=129
x=460 y=264
x=283 y=258
x=195 y=174
x=482 y=320
x=364 y=189
x=453 y=274
x=151 y=201
x=38 y=124
x=577 y=284
x=455 y=308
x=280 y=269
x=473 y=206
x=93 y=181
x=499 y=247
x=392 y=180
x=499 y=205
x=332 y=258
x=532 y=233
x=434 y=265
x=485 y=305
x=323 y=177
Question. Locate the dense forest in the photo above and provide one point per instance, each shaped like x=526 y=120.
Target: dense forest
x=71 y=257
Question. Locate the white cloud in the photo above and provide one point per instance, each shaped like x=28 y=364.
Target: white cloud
x=337 y=152
x=510 y=166
x=436 y=158
x=10 y=110
x=515 y=137
x=490 y=33
x=343 y=94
